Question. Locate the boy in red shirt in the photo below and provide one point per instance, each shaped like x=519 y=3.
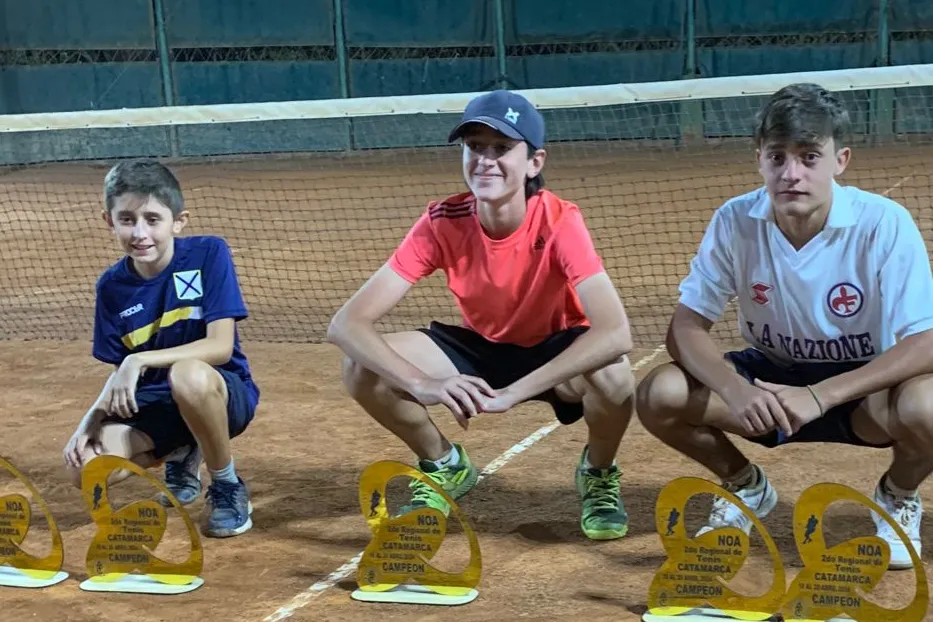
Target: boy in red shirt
x=541 y=318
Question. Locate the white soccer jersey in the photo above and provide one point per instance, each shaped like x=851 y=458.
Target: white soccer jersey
x=860 y=285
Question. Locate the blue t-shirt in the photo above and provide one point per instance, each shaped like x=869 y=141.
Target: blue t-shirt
x=199 y=286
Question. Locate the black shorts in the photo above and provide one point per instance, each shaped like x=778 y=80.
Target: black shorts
x=158 y=416
x=835 y=426
x=501 y=364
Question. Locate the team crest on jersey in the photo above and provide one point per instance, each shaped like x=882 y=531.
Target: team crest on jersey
x=844 y=299
x=760 y=291
x=188 y=284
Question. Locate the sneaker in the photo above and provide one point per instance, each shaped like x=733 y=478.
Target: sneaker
x=760 y=498
x=604 y=516
x=906 y=512
x=183 y=476
x=228 y=509
x=456 y=480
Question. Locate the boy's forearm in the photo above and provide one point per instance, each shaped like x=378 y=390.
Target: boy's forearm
x=92 y=417
x=694 y=349
x=593 y=350
x=95 y=412
x=909 y=358
x=360 y=341
x=212 y=351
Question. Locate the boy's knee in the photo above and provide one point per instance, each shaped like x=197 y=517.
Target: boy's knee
x=913 y=411
x=359 y=380
x=664 y=392
x=613 y=384
x=193 y=381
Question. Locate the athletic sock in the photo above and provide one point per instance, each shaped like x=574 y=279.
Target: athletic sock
x=892 y=490
x=452 y=458
x=226 y=474
x=746 y=478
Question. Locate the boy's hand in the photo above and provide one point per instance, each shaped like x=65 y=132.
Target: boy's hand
x=799 y=403
x=755 y=410
x=121 y=400
x=502 y=401
x=463 y=395
x=82 y=444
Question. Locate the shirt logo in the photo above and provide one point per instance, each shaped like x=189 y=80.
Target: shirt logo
x=759 y=291
x=188 y=284
x=512 y=116
x=844 y=299
x=132 y=310
x=539 y=244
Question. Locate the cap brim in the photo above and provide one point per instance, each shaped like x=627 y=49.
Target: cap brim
x=496 y=124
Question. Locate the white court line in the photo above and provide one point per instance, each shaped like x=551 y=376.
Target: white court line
x=896 y=186
x=302 y=599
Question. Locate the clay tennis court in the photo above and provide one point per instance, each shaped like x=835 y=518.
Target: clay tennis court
x=306 y=232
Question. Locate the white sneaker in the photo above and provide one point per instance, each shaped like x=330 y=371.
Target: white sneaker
x=906 y=512
x=761 y=499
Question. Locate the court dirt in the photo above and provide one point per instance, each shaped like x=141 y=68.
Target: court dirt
x=305 y=234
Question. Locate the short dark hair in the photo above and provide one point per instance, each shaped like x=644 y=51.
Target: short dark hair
x=536 y=183
x=802 y=114
x=144 y=177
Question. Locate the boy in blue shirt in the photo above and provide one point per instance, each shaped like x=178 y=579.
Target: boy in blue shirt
x=165 y=317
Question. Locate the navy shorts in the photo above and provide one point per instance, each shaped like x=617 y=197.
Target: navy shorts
x=501 y=364
x=158 y=416
x=835 y=426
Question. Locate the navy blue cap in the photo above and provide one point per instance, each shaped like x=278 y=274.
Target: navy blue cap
x=507 y=112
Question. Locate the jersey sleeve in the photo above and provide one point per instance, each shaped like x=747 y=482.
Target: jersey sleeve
x=107 y=346
x=906 y=280
x=573 y=249
x=419 y=254
x=710 y=284
x=222 y=296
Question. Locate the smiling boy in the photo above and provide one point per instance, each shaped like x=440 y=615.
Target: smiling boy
x=165 y=318
x=541 y=319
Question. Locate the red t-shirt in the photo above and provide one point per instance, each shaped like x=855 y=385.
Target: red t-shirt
x=517 y=290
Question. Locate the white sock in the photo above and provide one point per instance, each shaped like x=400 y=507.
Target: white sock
x=746 y=478
x=452 y=458
x=892 y=490
x=226 y=474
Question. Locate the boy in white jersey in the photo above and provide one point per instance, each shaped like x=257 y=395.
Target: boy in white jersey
x=834 y=291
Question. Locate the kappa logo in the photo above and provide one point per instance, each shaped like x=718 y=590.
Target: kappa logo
x=188 y=284
x=760 y=291
x=844 y=299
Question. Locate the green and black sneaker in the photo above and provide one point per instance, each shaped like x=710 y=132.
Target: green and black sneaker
x=456 y=480
x=604 y=516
